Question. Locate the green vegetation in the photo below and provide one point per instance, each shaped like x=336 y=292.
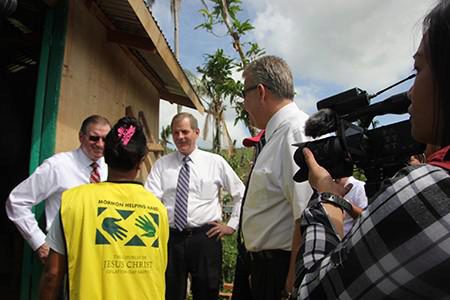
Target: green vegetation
x=240 y=161
x=229 y=253
x=219 y=16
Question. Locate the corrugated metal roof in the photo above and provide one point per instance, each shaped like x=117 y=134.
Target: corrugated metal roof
x=124 y=19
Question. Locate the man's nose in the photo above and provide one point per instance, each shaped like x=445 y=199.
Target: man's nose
x=100 y=143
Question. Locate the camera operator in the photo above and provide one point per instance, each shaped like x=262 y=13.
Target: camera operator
x=399 y=248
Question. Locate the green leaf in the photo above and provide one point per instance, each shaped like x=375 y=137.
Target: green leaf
x=217 y=85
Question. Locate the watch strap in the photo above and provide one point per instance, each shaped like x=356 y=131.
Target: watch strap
x=336 y=201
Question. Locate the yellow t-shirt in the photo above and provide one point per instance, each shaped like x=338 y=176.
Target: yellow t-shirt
x=116 y=238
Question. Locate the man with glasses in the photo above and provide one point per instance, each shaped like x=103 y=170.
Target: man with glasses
x=55 y=175
x=273 y=201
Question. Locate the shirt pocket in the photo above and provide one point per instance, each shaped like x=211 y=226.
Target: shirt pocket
x=260 y=188
x=208 y=190
x=169 y=180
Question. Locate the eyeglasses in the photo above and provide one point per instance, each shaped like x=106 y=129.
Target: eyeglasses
x=245 y=91
x=96 y=138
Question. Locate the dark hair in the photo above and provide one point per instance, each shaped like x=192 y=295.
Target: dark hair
x=185 y=115
x=125 y=145
x=420 y=157
x=274 y=73
x=94 y=119
x=437 y=44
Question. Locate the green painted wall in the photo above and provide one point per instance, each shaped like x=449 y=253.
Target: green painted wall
x=44 y=123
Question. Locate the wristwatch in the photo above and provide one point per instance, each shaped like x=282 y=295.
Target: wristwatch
x=336 y=201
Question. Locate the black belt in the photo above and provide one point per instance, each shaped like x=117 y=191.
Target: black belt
x=191 y=231
x=268 y=254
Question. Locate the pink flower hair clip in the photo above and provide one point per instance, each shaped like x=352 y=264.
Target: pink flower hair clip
x=126 y=134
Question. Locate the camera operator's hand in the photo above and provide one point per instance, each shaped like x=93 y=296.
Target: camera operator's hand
x=319 y=178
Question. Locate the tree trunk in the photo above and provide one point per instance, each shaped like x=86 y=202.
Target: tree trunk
x=175 y=10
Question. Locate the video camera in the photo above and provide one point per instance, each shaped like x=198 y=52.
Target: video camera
x=379 y=152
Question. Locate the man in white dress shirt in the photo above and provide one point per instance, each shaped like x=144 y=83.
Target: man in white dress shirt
x=55 y=175
x=274 y=202
x=194 y=244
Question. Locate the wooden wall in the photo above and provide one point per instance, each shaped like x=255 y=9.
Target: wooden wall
x=98 y=78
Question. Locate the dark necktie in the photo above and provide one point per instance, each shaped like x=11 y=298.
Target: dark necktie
x=258 y=147
x=181 y=196
x=95 y=174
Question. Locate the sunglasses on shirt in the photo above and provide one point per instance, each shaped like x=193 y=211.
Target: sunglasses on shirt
x=96 y=138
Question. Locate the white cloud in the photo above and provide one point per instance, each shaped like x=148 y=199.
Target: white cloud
x=306 y=97
x=331 y=45
x=349 y=43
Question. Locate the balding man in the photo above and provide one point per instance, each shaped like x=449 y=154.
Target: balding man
x=55 y=175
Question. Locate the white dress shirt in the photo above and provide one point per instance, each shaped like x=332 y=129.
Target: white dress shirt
x=208 y=173
x=274 y=200
x=357 y=196
x=55 y=175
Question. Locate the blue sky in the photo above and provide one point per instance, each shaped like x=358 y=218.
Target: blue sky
x=331 y=45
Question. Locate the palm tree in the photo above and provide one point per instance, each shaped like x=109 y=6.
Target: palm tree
x=165 y=134
x=224 y=12
x=215 y=115
x=215 y=109
x=218 y=86
x=175 y=10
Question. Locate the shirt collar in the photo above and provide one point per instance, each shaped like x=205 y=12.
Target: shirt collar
x=279 y=118
x=86 y=161
x=192 y=156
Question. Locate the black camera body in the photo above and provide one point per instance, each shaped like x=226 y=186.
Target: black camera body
x=379 y=152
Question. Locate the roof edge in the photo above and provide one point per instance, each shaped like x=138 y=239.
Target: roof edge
x=164 y=51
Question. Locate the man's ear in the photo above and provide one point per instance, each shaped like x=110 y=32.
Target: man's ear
x=80 y=136
x=197 y=131
x=262 y=92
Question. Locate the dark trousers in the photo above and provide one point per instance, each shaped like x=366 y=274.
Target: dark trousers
x=191 y=251
x=241 y=284
x=269 y=269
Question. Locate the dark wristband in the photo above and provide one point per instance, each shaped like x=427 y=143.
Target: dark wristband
x=336 y=201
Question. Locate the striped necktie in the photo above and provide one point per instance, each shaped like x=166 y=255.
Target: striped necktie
x=95 y=174
x=181 y=196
